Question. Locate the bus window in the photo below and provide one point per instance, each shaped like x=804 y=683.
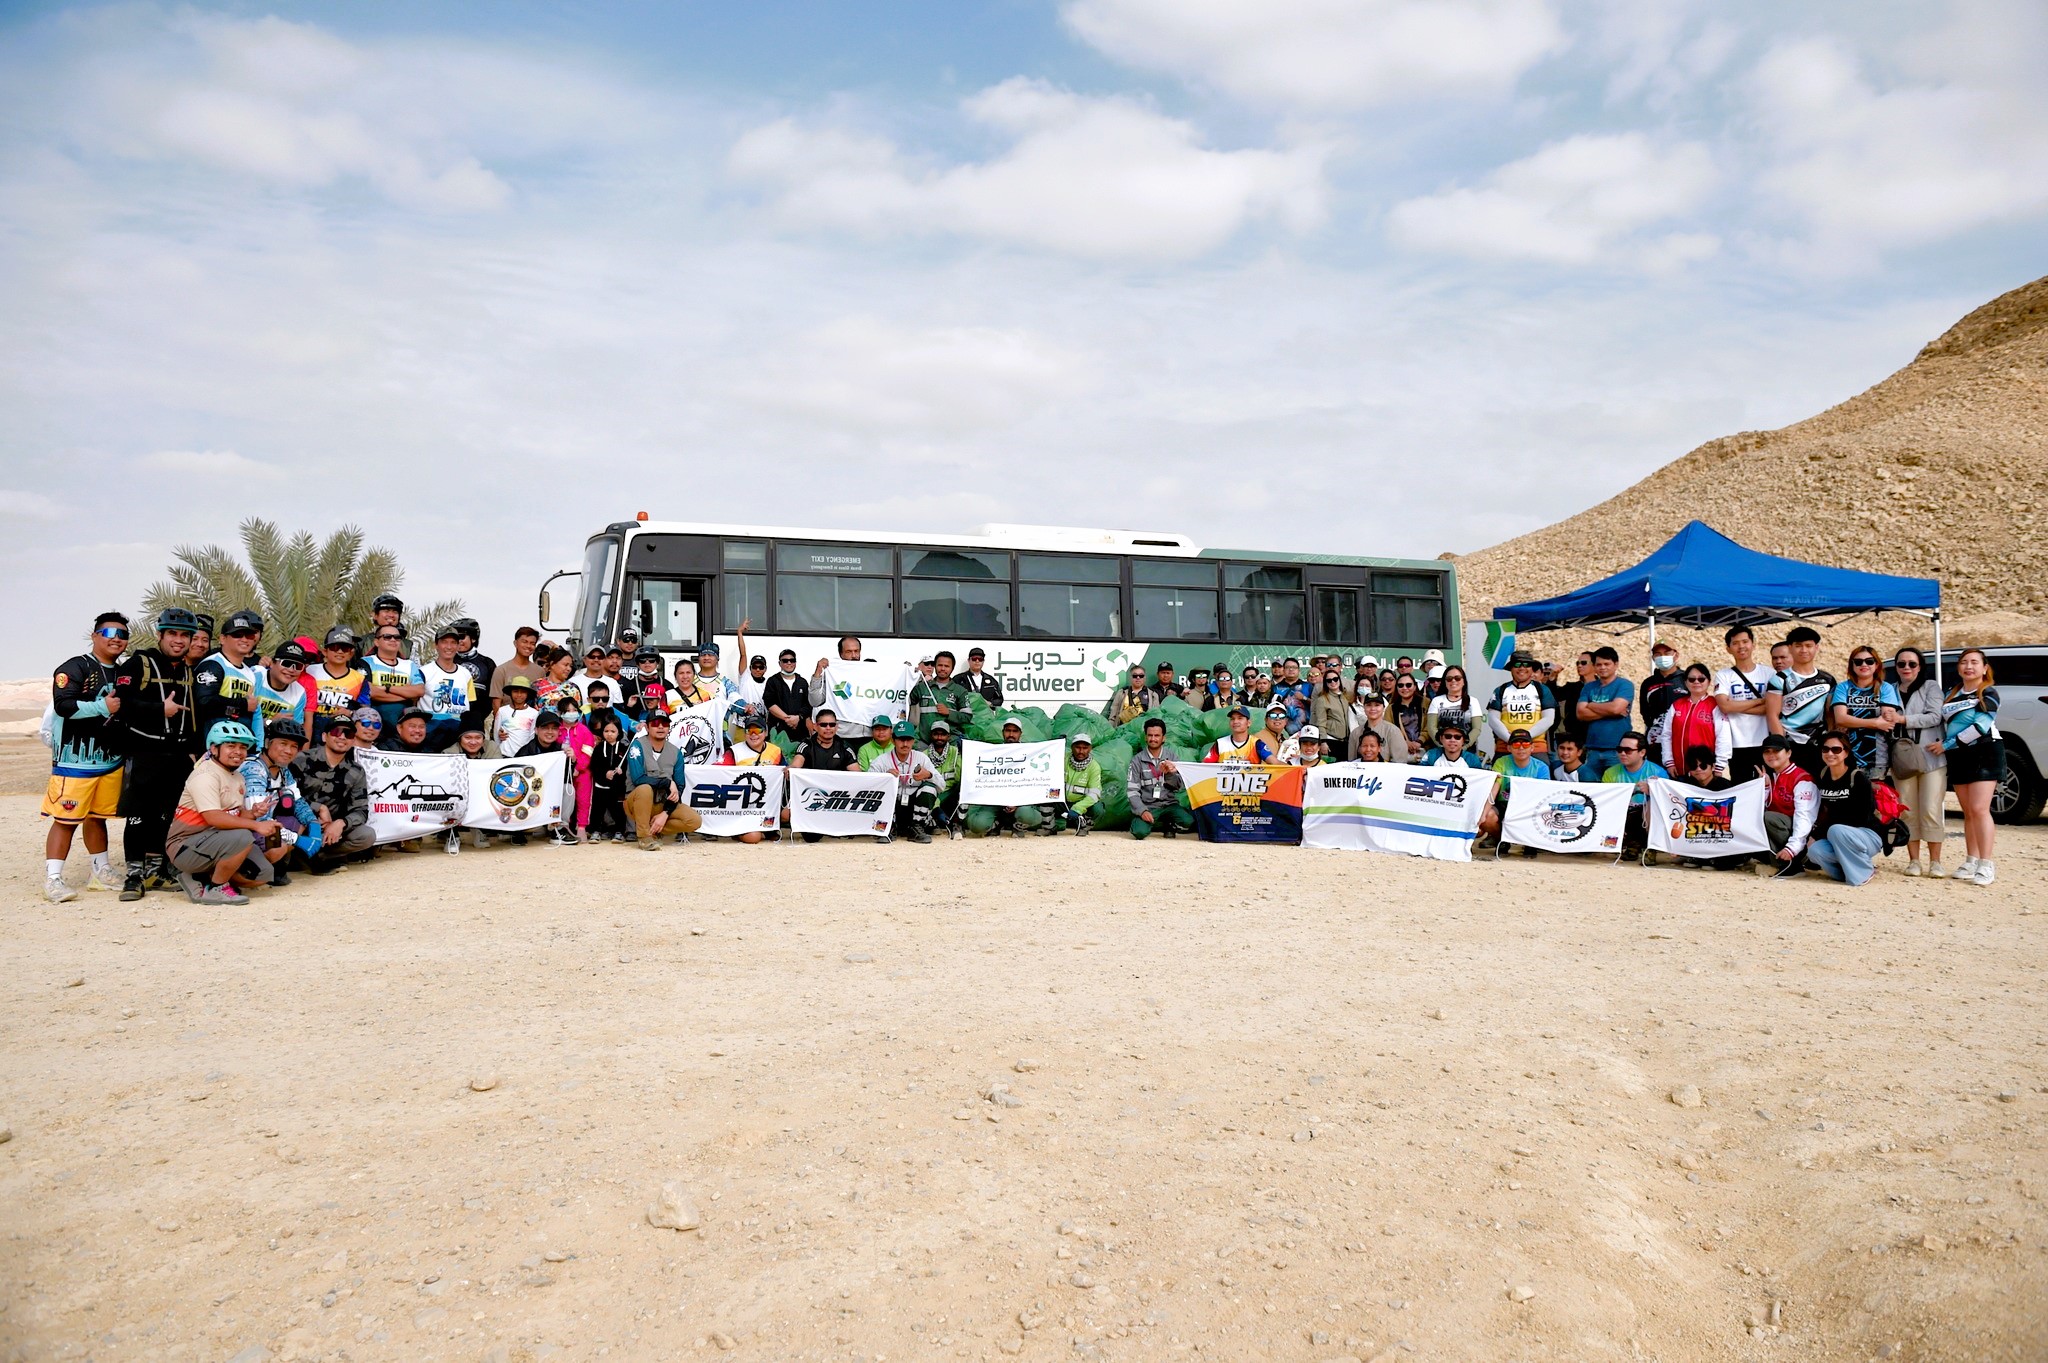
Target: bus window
x=600 y=564
x=1265 y=603
x=1337 y=616
x=955 y=593
x=1408 y=610
x=1057 y=597
x=834 y=589
x=1173 y=599
x=667 y=611
x=744 y=579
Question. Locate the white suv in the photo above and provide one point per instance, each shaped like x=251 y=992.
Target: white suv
x=2020 y=672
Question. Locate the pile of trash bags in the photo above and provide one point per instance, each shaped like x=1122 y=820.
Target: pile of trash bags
x=1188 y=734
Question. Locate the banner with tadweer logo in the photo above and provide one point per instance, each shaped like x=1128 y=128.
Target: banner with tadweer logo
x=841 y=804
x=513 y=794
x=1393 y=807
x=857 y=692
x=734 y=800
x=1692 y=821
x=1235 y=802
x=414 y=794
x=1012 y=774
x=1564 y=816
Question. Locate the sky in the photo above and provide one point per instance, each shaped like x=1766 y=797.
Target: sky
x=1354 y=276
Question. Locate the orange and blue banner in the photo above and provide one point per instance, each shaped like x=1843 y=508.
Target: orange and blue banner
x=1237 y=802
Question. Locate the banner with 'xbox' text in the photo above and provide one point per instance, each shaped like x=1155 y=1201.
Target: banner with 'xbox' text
x=1013 y=774
x=857 y=692
x=414 y=794
x=734 y=800
x=512 y=794
x=841 y=804
x=1564 y=816
x=1692 y=821
x=1393 y=807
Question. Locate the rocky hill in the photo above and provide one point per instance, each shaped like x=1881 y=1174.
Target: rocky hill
x=1939 y=471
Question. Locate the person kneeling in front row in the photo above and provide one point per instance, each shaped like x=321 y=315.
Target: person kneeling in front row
x=1846 y=837
x=1155 y=785
x=211 y=842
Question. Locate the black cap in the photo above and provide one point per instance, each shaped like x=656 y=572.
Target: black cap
x=447 y=631
x=291 y=651
x=548 y=720
x=387 y=602
x=411 y=712
x=341 y=636
x=340 y=724
x=1777 y=743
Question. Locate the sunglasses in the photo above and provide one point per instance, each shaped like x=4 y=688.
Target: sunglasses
x=828 y=724
x=290 y=666
x=389 y=638
x=246 y=633
x=1833 y=747
x=1906 y=665
x=1628 y=750
x=109 y=632
x=1863 y=662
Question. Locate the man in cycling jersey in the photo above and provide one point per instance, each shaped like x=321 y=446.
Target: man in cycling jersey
x=154 y=686
x=224 y=683
x=85 y=770
x=1796 y=702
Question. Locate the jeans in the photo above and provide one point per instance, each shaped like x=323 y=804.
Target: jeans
x=1598 y=760
x=1848 y=854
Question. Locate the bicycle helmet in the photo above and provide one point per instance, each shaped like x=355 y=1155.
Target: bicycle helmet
x=285 y=728
x=178 y=618
x=387 y=602
x=229 y=731
x=647 y=653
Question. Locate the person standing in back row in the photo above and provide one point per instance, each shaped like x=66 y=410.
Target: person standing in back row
x=154 y=687
x=1976 y=758
x=1604 y=705
x=85 y=771
x=1739 y=694
x=1797 y=703
x=1521 y=702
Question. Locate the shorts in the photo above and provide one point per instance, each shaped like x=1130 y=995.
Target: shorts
x=74 y=799
x=203 y=849
x=1969 y=763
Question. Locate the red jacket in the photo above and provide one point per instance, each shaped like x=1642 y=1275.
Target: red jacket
x=1778 y=800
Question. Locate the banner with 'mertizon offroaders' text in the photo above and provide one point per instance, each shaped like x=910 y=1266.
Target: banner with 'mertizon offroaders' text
x=414 y=794
x=1235 y=802
x=841 y=804
x=1392 y=807
x=1012 y=774
x=735 y=800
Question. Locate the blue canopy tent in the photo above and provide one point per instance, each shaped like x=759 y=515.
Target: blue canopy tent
x=1702 y=579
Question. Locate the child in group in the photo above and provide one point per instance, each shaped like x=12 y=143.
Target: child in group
x=577 y=741
x=472 y=742
x=608 y=781
x=513 y=727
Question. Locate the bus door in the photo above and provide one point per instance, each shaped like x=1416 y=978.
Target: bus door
x=670 y=611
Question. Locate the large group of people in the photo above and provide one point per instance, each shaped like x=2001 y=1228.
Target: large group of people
x=231 y=760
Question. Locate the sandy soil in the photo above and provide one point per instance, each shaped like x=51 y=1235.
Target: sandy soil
x=1261 y=1104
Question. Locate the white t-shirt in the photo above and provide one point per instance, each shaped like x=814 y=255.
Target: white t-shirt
x=1745 y=731
x=448 y=693
x=515 y=728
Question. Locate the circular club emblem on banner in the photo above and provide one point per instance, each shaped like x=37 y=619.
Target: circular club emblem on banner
x=1569 y=820
x=515 y=791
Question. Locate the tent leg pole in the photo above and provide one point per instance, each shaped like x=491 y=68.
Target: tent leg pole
x=1939 y=687
x=1653 y=631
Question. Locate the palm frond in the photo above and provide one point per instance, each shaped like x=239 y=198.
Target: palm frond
x=426 y=621
x=375 y=574
x=263 y=545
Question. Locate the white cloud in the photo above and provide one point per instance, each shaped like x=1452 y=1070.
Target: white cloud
x=880 y=376
x=1582 y=201
x=1099 y=178
x=1326 y=54
x=19 y=505
x=214 y=465
x=1867 y=164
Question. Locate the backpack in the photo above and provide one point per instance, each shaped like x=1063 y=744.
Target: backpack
x=1891 y=811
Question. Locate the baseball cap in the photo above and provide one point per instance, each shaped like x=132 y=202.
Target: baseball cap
x=1451 y=726
x=1013 y=724
x=1310 y=731
x=412 y=712
x=939 y=726
x=881 y=722
x=1520 y=736
x=1080 y=741
x=1777 y=743
x=976 y=653
x=292 y=651
x=548 y=720
x=1240 y=710
x=656 y=718
x=341 y=636
x=447 y=632
x=1276 y=709
x=1375 y=698
x=1368 y=660
x=902 y=728
x=341 y=724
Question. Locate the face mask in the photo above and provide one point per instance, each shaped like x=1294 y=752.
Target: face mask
x=570 y=717
x=1664 y=662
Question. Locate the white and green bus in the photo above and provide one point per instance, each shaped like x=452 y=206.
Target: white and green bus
x=1061 y=613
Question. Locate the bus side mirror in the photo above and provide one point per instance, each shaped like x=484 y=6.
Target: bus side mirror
x=547 y=607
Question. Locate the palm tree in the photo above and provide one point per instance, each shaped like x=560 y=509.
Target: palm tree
x=301 y=586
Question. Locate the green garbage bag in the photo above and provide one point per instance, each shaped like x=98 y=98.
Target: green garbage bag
x=987 y=724
x=1078 y=719
x=1115 y=809
x=1215 y=724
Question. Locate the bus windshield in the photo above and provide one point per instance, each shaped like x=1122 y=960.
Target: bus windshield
x=594 y=613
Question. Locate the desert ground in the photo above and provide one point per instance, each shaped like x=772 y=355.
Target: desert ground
x=1037 y=1099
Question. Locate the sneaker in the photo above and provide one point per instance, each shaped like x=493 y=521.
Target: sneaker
x=191 y=886
x=131 y=888
x=1081 y=827
x=1913 y=868
x=1649 y=856
x=158 y=875
x=279 y=879
x=1015 y=831
x=1968 y=870
x=479 y=839
x=919 y=835
x=562 y=837
x=649 y=845
x=1985 y=874
x=682 y=838
x=57 y=892
x=102 y=880
x=318 y=867
x=222 y=894
x=1937 y=870
x=619 y=837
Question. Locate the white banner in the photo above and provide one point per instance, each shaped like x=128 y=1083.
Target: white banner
x=1012 y=774
x=414 y=794
x=841 y=804
x=1693 y=821
x=857 y=692
x=511 y=794
x=699 y=732
x=1393 y=807
x=735 y=800
x=1562 y=816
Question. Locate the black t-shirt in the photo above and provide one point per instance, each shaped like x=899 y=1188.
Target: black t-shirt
x=838 y=755
x=1845 y=801
x=144 y=680
x=792 y=696
x=479 y=666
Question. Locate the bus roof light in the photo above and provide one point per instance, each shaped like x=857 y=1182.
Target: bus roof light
x=639 y=515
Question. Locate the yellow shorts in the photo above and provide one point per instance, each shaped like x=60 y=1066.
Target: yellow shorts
x=74 y=799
